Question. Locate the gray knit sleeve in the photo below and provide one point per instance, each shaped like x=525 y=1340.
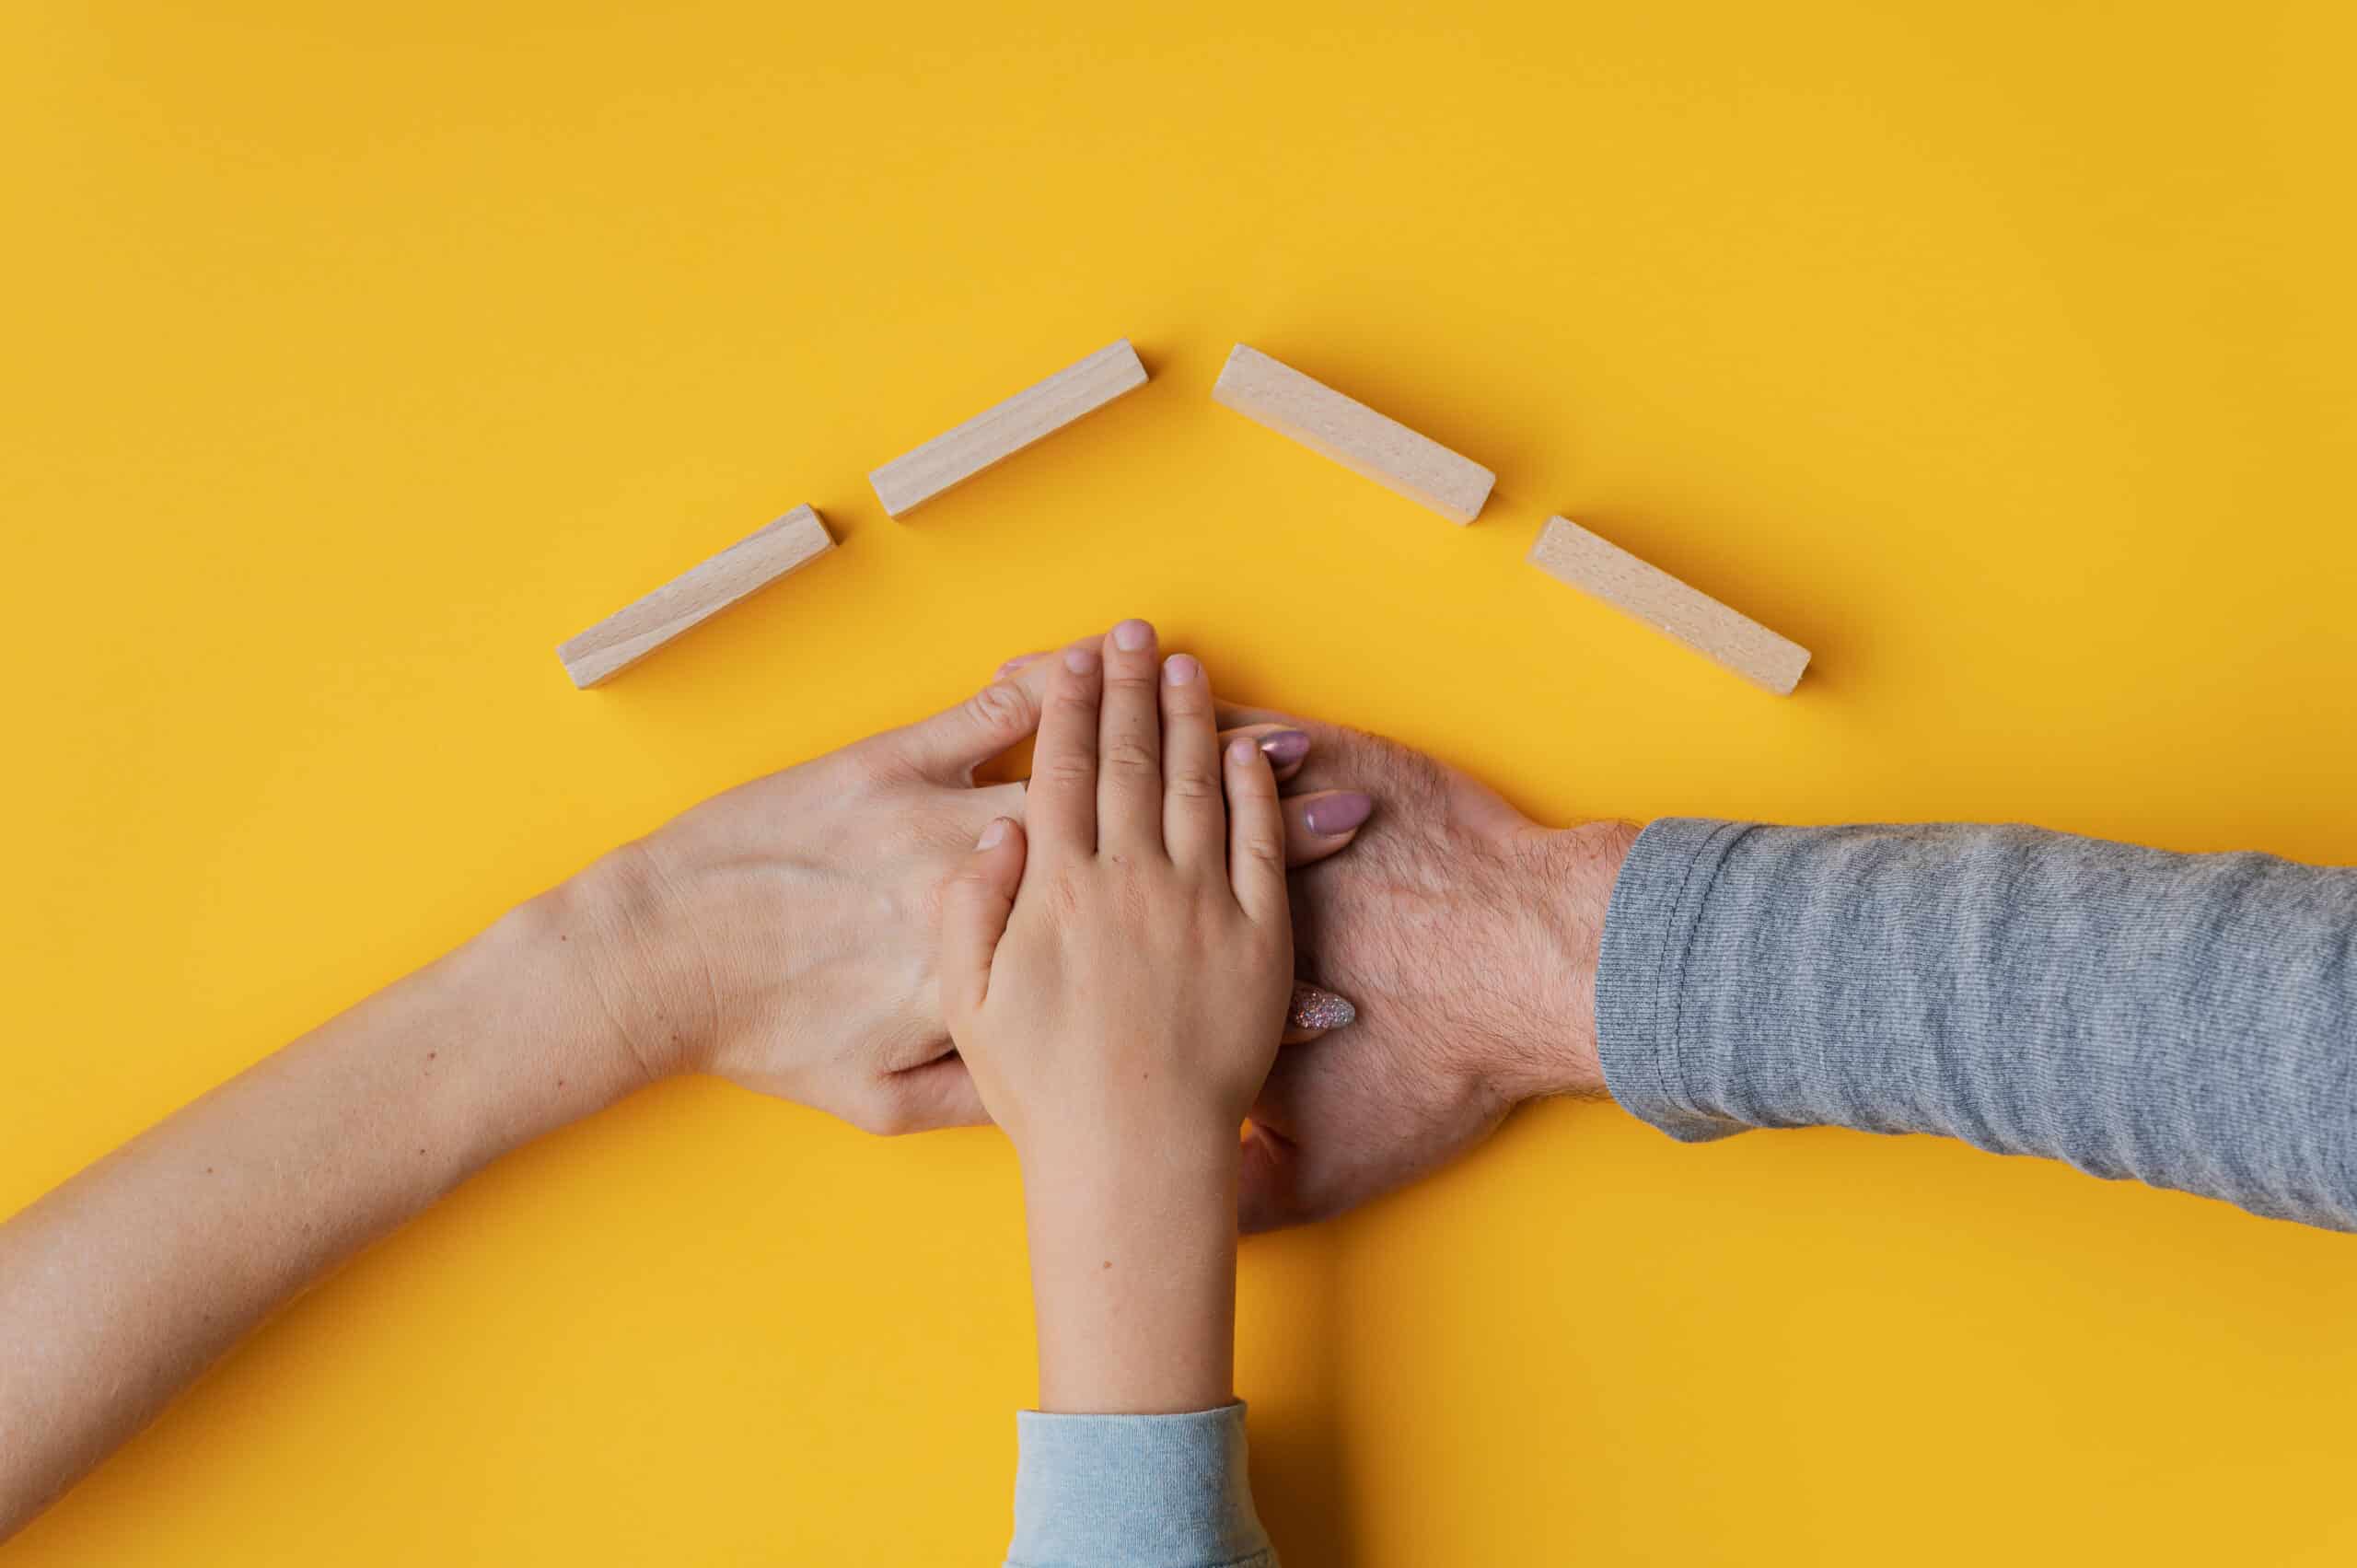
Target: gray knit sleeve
x=2188 y=1021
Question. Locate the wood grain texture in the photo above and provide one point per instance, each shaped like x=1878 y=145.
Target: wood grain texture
x=1570 y=554
x=695 y=595
x=1367 y=443
x=997 y=434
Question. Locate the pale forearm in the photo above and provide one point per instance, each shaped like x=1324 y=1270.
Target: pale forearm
x=1133 y=1283
x=123 y=1285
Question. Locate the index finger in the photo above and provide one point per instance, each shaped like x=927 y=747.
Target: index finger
x=1062 y=807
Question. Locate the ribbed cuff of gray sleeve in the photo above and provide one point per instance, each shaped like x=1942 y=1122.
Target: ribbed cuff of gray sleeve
x=1153 y=1491
x=1648 y=930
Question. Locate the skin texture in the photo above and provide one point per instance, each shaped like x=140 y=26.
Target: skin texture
x=781 y=934
x=746 y=939
x=1466 y=935
x=1117 y=983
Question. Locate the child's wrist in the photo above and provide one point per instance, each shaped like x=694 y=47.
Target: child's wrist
x=1118 y=1157
x=1133 y=1275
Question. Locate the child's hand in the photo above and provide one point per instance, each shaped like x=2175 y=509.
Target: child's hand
x=1117 y=989
x=1131 y=992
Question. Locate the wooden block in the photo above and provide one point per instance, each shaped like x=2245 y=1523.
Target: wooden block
x=697 y=595
x=1352 y=435
x=1568 y=552
x=997 y=434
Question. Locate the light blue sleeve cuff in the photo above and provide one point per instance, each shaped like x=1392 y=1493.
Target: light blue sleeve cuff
x=1140 y=1490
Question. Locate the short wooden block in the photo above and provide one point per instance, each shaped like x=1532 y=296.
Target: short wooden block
x=1569 y=553
x=997 y=434
x=697 y=595
x=1354 y=434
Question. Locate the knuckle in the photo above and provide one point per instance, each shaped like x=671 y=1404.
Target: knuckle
x=1068 y=894
x=1192 y=785
x=1129 y=754
x=1000 y=706
x=1074 y=710
x=1066 y=772
x=1262 y=848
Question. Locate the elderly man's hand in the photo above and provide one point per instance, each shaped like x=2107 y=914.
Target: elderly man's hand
x=1467 y=935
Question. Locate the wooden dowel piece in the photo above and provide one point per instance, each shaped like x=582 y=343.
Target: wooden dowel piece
x=629 y=634
x=1368 y=444
x=1570 y=554
x=997 y=434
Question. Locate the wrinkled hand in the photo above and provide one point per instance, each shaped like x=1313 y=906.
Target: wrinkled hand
x=785 y=933
x=1466 y=935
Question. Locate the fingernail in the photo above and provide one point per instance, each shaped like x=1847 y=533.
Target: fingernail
x=1180 y=670
x=1315 y=1007
x=1338 y=813
x=993 y=834
x=1131 y=635
x=1011 y=666
x=1242 y=750
x=1080 y=661
x=1285 y=748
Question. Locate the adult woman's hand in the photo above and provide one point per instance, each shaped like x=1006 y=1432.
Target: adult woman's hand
x=784 y=935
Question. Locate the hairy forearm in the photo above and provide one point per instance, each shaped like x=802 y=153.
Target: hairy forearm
x=119 y=1287
x=1134 y=1281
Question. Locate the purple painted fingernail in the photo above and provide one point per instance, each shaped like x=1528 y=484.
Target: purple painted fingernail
x=1285 y=748
x=1314 y=1007
x=1332 y=814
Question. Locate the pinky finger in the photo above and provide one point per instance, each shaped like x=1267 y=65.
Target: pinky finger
x=1256 y=832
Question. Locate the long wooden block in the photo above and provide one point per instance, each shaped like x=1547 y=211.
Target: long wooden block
x=1354 y=434
x=1569 y=553
x=997 y=434
x=696 y=595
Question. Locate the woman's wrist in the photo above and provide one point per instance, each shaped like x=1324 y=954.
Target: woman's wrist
x=619 y=935
x=538 y=1022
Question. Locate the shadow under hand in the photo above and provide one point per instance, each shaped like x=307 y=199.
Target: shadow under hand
x=1289 y=1371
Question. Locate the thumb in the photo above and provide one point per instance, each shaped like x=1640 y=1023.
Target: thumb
x=974 y=906
x=950 y=746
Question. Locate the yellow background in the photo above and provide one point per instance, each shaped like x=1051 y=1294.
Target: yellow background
x=353 y=356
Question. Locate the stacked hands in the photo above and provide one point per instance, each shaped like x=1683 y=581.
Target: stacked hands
x=814 y=935
x=1103 y=964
